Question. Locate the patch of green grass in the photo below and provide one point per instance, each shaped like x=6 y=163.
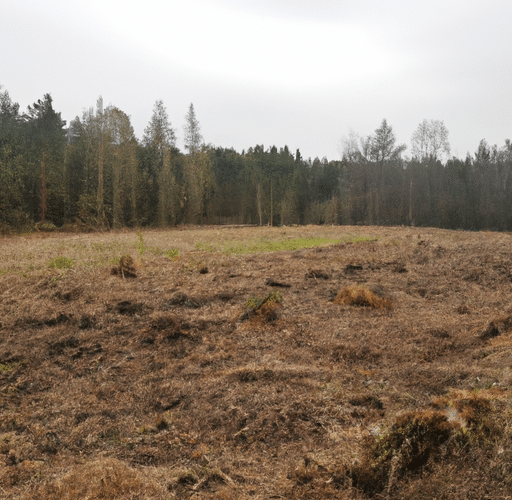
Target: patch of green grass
x=268 y=245
x=61 y=262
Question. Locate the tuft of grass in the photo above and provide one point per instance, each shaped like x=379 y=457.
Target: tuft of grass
x=414 y=440
x=61 y=262
x=172 y=254
x=254 y=303
x=125 y=268
x=456 y=424
x=363 y=297
x=263 y=308
x=101 y=478
x=474 y=412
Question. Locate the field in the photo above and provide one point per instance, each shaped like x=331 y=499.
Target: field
x=259 y=363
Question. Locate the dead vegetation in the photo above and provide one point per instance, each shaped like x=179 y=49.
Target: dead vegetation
x=379 y=367
x=363 y=297
x=126 y=267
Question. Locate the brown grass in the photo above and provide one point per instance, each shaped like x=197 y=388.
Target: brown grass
x=363 y=297
x=384 y=373
x=126 y=267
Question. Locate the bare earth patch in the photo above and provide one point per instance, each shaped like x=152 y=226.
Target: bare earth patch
x=200 y=363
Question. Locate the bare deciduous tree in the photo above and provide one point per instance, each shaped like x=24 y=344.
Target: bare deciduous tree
x=430 y=141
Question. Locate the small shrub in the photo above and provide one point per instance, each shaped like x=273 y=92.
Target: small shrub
x=263 y=308
x=255 y=303
x=141 y=247
x=363 y=297
x=172 y=254
x=46 y=227
x=61 y=263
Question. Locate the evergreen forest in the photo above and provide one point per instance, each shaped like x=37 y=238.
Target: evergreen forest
x=96 y=174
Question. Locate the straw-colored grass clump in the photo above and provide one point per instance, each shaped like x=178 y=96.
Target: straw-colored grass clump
x=362 y=297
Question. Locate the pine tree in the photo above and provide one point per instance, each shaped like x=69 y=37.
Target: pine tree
x=124 y=168
x=199 y=177
x=48 y=138
x=193 y=138
x=160 y=139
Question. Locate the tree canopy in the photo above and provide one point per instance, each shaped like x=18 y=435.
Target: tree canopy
x=96 y=173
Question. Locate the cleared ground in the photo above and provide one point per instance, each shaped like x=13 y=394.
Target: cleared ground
x=232 y=367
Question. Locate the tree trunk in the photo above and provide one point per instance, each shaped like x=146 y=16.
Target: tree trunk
x=43 y=186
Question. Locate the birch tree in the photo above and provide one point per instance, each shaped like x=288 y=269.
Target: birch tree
x=430 y=141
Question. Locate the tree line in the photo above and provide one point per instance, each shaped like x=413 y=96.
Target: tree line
x=96 y=174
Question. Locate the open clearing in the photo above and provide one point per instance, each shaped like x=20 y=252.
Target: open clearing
x=261 y=363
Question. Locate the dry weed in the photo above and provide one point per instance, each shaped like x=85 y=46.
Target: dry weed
x=363 y=297
x=414 y=439
x=126 y=267
x=103 y=478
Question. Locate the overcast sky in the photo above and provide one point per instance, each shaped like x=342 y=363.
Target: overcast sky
x=301 y=73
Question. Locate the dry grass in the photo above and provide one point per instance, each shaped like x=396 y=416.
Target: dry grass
x=184 y=382
x=363 y=297
x=125 y=268
x=101 y=478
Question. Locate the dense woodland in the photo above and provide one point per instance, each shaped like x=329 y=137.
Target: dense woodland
x=95 y=173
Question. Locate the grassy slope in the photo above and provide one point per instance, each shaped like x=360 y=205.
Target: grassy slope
x=153 y=387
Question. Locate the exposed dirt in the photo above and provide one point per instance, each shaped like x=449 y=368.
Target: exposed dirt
x=163 y=385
